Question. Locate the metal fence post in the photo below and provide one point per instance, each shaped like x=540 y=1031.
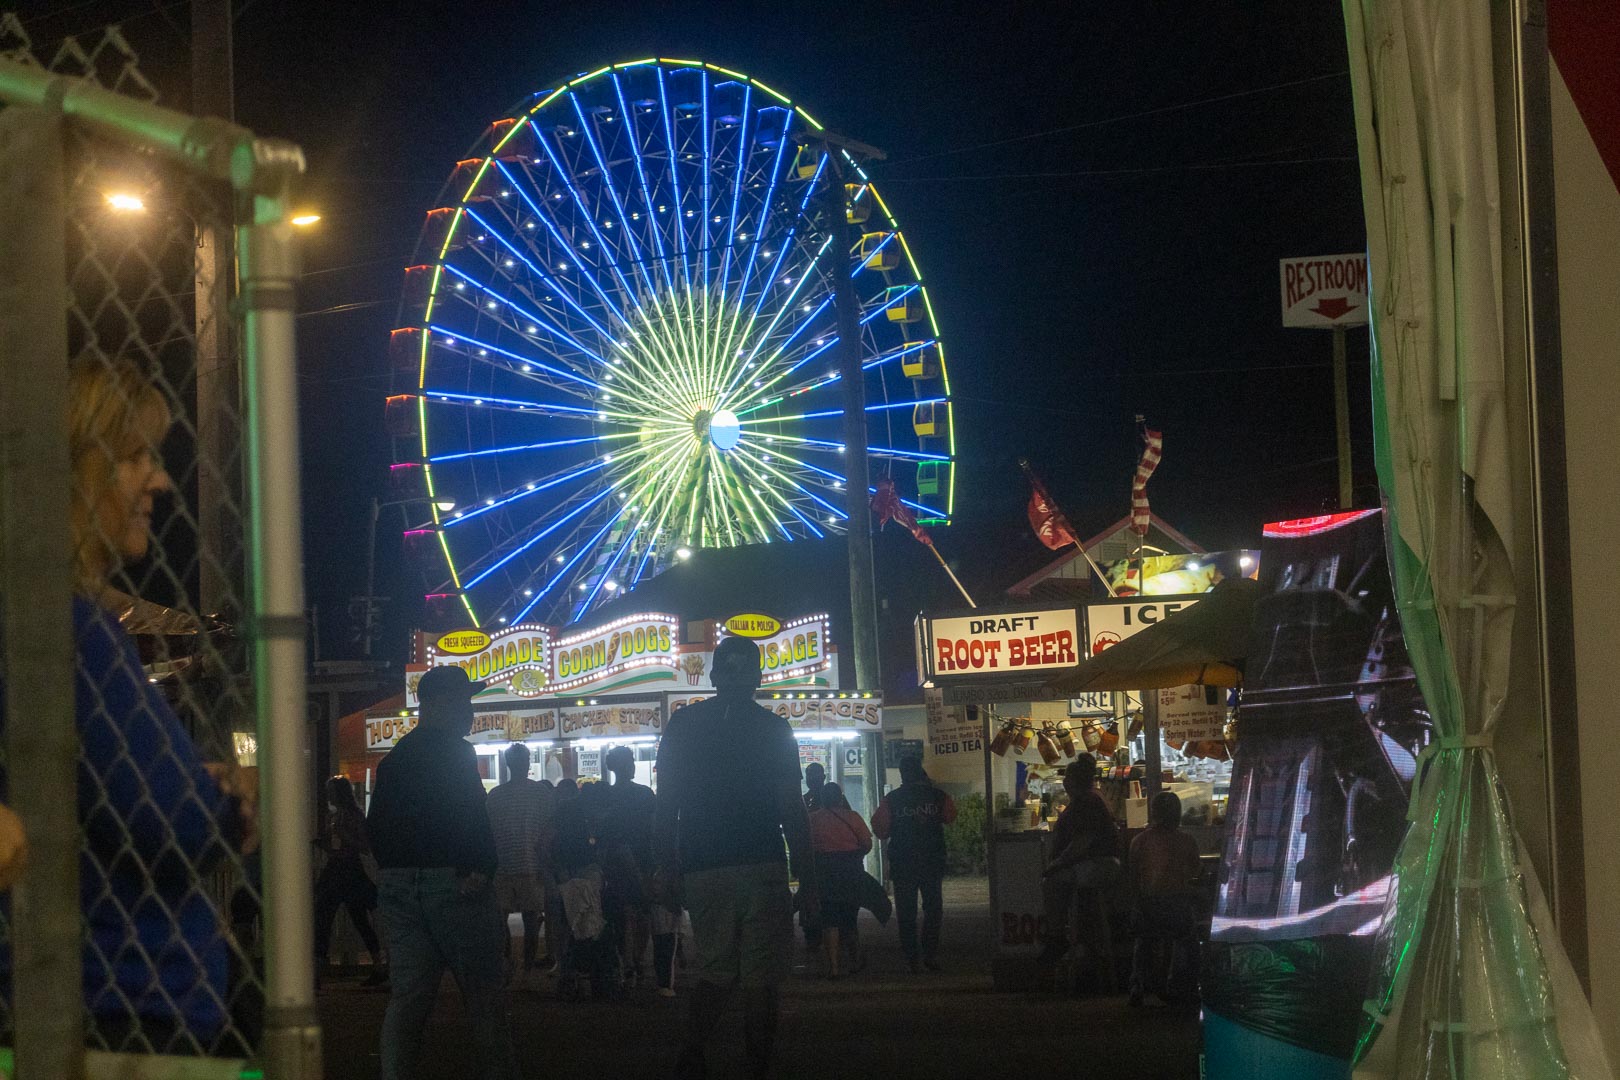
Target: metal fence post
x=36 y=589
x=292 y=1043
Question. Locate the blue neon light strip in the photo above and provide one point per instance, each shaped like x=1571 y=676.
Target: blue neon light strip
x=882 y=451
x=546 y=219
x=736 y=190
x=516 y=449
x=633 y=131
x=537 y=272
x=674 y=177
x=590 y=220
x=624 y=219
x=523 y=494
x=536 y=319
x=485 y=399
x=558 y=576
x=475 y=343
x=527 y=544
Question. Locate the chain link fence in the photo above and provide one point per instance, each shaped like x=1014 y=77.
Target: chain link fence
x=125 y=536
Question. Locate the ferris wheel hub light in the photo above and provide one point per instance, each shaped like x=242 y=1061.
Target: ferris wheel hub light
x=725 y=430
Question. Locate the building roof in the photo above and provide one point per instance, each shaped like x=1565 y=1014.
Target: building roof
x=1067 y=578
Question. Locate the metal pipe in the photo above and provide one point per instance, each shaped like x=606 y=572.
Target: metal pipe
x=36 y=578
x=209 y=146
x=292 y=1042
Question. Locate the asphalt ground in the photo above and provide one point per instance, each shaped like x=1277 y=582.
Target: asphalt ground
x=884 y=1022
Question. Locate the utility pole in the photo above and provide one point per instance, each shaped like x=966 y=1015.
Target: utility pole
x=862 y=577
x=221 y=582
x=1341 y=416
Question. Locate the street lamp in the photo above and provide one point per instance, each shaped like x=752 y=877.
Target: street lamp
x=369 y=618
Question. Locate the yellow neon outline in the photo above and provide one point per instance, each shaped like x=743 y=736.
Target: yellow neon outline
x=518 y=122
x=774 y=93
x=553 y=96
x=687 y=63
x=591 y=75
x=727 y=71
x=635 y=63
x=813 y=121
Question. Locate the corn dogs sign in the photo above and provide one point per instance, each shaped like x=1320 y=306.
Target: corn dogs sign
x=1008 y=643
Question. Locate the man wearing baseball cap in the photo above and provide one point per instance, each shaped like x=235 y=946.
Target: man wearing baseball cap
x=431 y=836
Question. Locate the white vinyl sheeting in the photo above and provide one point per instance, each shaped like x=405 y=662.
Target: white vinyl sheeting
x=1472 y=980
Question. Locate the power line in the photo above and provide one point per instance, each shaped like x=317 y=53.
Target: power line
x=1124 y=117
x=1149 y=170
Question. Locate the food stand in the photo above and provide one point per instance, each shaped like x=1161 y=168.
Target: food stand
x=1006 y=667
x=571 y=694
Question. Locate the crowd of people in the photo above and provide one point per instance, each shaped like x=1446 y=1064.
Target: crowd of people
x=605 y=873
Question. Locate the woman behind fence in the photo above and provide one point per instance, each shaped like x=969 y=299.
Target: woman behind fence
x=156 y=817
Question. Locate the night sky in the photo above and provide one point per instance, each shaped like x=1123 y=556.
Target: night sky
x=1097 y=195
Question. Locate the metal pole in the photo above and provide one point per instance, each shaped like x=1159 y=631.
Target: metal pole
x=292 y=1038
x=219 y=381
x=1151 y=780
x=862 y=584
x=1341 y=417
x=371 y=577
x=862 y=587
x=36 y=579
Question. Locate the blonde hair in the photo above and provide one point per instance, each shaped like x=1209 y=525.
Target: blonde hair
x=114 y=412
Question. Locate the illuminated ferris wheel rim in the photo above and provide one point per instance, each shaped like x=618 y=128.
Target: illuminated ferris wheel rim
x=699 y=403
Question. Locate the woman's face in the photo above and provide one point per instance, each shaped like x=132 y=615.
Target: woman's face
x=125 y=515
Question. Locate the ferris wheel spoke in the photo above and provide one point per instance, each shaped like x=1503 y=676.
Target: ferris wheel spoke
x=534 y=323
x=745 y=462
x=589 y=214
x=637 y=264
x=633 y=132
x=739 y=495
x=523 y=491
x=547 y=279
x=489 y=354
x=760 y=459
x=752 y=257
x=517 y=448
x=566 y=253
x=740 y=157
x=529 y=543
x=822 y=381
x=786 y=306
x=674 y=176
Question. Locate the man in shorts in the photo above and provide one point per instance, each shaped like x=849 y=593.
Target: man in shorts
x=728 y=791
x=520 y=815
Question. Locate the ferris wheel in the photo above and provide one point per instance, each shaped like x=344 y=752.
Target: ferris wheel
x=617 y=343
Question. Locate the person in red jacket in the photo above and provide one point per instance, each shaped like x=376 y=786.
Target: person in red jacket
x=912 y=818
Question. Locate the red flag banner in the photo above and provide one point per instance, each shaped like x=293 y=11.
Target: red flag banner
x=1151 y=453
x=887 y=507
x=1051 y=527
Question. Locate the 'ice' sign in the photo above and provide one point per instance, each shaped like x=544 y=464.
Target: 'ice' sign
x=1003 y=643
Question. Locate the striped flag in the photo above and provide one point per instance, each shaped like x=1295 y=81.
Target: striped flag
x=1151 y=453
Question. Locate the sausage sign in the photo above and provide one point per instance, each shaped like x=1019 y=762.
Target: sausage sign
x=1005 y=643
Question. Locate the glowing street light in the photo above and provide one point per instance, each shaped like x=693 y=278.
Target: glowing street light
x=305 y=219
x=126 y=203
x=683 y=553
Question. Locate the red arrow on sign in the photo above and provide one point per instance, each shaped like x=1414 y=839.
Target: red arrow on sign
x=1334 y=307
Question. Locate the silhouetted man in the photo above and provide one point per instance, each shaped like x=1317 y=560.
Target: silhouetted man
x=430 y=834
x=912 y=818
x=728 y=789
